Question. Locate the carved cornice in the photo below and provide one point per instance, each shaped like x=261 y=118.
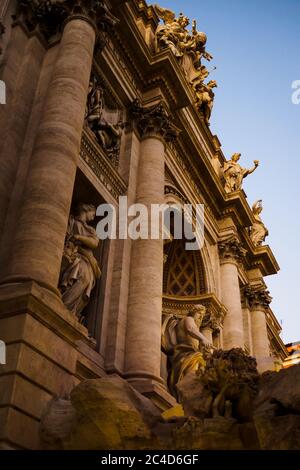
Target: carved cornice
x=231 y=249
x=47 y=17
x=257 y=296
x=154 y=120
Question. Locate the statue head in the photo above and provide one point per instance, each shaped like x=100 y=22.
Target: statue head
x=212 y=84
x=235 y=157
x=201 y=37
x=197 y=312
x=86 y=211
x=183 y=21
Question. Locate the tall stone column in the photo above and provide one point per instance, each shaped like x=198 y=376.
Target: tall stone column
x=143 y=333
x=39 y=241
x=231 y=252
x=259 y=301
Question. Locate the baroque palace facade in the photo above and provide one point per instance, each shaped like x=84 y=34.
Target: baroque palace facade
x=109 y=99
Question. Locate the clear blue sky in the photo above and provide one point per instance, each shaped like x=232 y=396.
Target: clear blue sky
x=256 y=49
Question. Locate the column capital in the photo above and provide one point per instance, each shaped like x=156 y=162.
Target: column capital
x=48 y=17
x=257 y=296
x=154 y=120
x=231 y=250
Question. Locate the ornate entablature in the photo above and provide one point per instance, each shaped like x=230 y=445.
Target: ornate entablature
x=189 y=49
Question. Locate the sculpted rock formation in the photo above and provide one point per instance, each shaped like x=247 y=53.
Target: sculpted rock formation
x=234 y=173
x=79 y=269
x=107 y=413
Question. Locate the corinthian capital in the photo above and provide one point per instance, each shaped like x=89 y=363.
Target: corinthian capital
x=231 y=249
x=154 y=120
x=48 y=16
x=257 y=296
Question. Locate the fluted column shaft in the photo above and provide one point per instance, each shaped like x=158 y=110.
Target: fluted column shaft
x=143 y=333
x=48 y=191
x=143 y=340
x=233 y=331
x=259 y=301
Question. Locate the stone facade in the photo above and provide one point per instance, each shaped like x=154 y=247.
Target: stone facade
x=96 y=110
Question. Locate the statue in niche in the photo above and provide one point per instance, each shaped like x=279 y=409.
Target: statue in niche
x=104 y=123
x=184 y=344
x=205 y=99
x=258 y=231
x=80 y=268
x=234 y=173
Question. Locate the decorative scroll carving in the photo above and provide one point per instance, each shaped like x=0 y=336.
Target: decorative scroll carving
x=105 y=123
x=80 y=268
x=258 y=231
x=48 y=16
x=257 y=296
x=154 y=120
x=189 y=49
x=234 y=173
x=231 y=248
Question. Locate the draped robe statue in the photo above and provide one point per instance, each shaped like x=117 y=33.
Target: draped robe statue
x=80 y=268
x=234 y=173
x=259 y=232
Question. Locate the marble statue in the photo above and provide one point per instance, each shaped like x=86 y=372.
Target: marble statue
x=104 y=123
x=189 y=48
x=234 y=173
x=80 y=268
x=184 y=345
x=258 y=232
x=205 y=98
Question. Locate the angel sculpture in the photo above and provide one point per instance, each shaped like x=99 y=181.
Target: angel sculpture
x=173 y=32
x=259 y=232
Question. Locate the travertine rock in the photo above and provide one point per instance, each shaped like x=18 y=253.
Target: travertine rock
x=111 y=415
x=277 y=410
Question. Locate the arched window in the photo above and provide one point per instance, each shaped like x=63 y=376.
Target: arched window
x=183 y=271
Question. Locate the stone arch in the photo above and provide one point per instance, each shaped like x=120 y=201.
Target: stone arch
x=203 y=268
